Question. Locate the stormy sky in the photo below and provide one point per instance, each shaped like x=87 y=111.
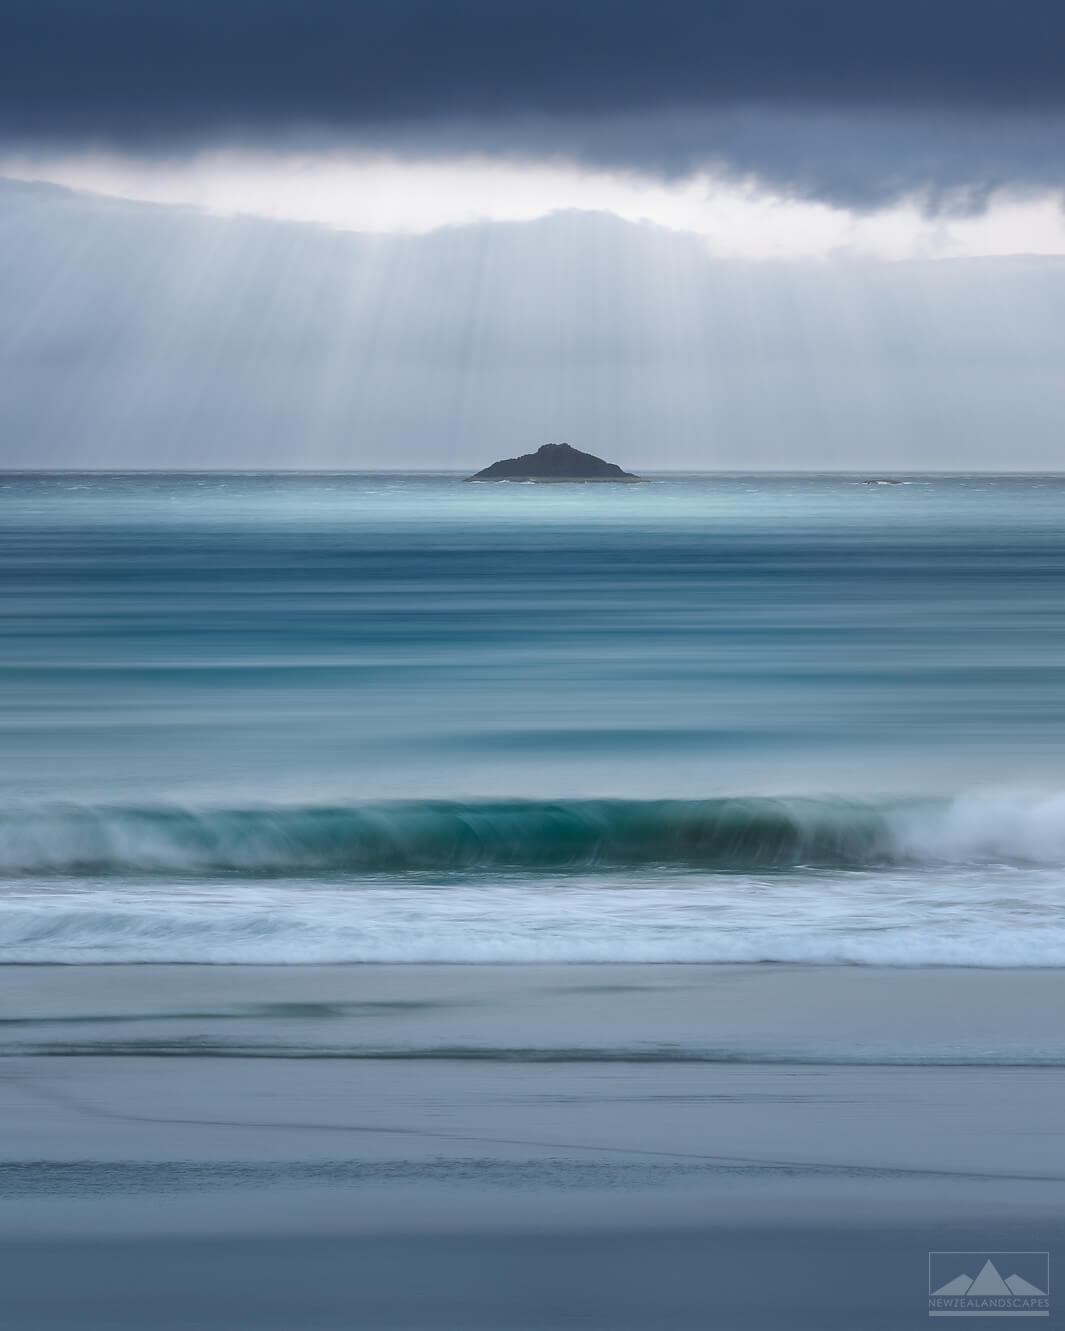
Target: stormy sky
x=372 y=233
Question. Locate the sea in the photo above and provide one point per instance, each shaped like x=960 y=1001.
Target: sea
x=430 y=904
x=377 y=718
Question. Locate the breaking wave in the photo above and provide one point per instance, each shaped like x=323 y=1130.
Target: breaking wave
x=976 y=881
x=743 y=835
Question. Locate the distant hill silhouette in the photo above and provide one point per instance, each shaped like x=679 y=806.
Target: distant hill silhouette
x=554 y=462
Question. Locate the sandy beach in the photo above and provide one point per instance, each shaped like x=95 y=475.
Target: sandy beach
x=511 y=1147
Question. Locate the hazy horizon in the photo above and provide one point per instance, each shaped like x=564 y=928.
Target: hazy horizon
x=461 y=472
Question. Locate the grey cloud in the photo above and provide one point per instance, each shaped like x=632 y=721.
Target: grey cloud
x=947 y=160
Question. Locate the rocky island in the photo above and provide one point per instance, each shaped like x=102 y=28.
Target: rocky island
x=554 y=462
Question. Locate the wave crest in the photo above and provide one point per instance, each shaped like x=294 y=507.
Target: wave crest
x=439 y=836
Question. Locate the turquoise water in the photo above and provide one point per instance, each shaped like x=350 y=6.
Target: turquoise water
x=387 y=718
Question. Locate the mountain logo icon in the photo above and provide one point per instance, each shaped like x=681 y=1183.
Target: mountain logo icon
x=988 y=1282
x=971 y=1284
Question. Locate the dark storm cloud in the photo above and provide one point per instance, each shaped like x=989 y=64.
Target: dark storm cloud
x=843 y=98
x=125 y=67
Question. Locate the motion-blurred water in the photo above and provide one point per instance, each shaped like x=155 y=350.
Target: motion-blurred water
x=386 y=718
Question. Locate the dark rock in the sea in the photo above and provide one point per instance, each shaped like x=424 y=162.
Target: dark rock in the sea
x=554 y=462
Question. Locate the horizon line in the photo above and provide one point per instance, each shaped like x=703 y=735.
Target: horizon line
x=463 y=471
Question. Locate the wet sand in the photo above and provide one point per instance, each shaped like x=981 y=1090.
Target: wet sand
x=634 y=1173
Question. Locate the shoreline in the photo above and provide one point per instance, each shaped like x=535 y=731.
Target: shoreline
x=711 y=1013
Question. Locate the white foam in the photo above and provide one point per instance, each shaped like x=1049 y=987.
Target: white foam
x=984 y=829
x=950 y=918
